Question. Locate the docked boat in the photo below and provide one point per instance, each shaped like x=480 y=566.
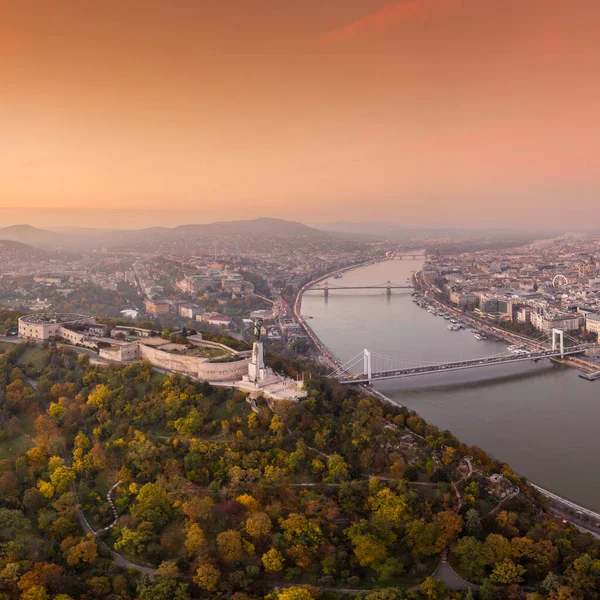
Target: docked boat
x=480 y=336
x=453 y=327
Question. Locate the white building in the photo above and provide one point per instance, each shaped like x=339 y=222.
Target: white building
x=44 y=326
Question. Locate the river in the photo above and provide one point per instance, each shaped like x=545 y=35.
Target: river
x=542 y=419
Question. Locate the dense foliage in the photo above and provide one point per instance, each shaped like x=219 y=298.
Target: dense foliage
x=220 y=495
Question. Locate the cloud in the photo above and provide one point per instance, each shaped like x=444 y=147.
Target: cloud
x=391 y=13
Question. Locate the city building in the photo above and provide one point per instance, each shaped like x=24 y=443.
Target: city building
x=157 y=307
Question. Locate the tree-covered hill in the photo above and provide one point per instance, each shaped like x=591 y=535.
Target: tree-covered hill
x=200 y=492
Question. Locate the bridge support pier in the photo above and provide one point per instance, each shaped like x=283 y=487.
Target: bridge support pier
x=367 y=368
x=388 y=288
x=326 y=290
x=560 y=334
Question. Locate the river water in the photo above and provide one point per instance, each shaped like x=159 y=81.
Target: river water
x=542 y=419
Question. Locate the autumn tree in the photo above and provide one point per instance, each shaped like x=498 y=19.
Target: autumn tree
x=207 y=577
x=272 y=561
x=258 y=525
x=229 y=545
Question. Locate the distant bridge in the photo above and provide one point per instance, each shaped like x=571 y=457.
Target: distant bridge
x=385 y=367
x=388 y=286
x=413 y=256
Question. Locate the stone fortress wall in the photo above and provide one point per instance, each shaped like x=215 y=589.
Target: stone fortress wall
x=195 y=366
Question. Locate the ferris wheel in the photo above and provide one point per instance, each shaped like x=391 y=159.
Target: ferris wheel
x=560 y=281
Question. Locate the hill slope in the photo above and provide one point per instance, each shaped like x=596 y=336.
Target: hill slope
x=26 y=234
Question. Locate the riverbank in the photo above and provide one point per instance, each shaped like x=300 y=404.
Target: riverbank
x=328 y=357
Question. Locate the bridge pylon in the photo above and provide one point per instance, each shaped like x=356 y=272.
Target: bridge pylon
x=367 y=364
x=326 y=289
x=560 y=334
x=388 y=288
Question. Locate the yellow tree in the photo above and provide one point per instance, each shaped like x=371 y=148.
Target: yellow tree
x=507 y=572
x=249 y=502
x=297 y=593
x=272 y=561
x=207 y=577
x=388 y=507
x=194 y=539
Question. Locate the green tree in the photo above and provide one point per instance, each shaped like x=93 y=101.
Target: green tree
x=163 y=589
x=434 y=589
x=152 y=505
x=472 y=522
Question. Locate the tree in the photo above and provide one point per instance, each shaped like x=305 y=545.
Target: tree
x=272 y=561
x=164 y=589
x=61 y=479
x=434 y=589
x=295 y=593
x=152 y=505
x=134 y=541
x=388 y=507
x=248 y=501
x=195 y=538
x=473 y=557
x=337 y=468
x=229 y=545
x=199 y=508
x=551 y=582
x=276 y=425
x=78 y=551
x=488 y=590
x=168 y=570
x=472 y=522
x=428 y=539
x=57 y=412
x=35 y=593
x=207 y=577
x=507 y=572
x=99 y=397
x=498 y=548
x=258 y=525
x=369 y=551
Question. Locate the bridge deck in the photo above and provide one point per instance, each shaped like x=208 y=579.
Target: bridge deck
x=362 y=287
x=456 y=366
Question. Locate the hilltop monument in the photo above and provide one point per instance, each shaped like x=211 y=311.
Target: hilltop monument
x=264 y=380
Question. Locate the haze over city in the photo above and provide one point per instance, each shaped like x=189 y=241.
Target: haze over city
x=417 y=112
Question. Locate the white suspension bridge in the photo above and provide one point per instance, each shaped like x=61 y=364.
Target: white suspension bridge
x=368 y=366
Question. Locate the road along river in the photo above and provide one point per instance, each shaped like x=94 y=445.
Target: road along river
x=542 y=419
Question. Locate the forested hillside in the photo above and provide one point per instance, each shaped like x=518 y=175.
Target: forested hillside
x=195 y=491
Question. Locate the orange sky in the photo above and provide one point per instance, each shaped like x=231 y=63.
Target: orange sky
x=423 y=112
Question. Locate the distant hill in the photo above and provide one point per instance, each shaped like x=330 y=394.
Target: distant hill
x=71 y=238
x=26 y=234
x=263 y=226
x=9 y=249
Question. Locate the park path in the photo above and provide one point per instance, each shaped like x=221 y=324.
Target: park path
x=450 y=577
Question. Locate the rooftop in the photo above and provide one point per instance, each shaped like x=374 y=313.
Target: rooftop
x=48 y=318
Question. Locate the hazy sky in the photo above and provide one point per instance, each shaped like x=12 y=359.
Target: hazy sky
x=424 y=112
